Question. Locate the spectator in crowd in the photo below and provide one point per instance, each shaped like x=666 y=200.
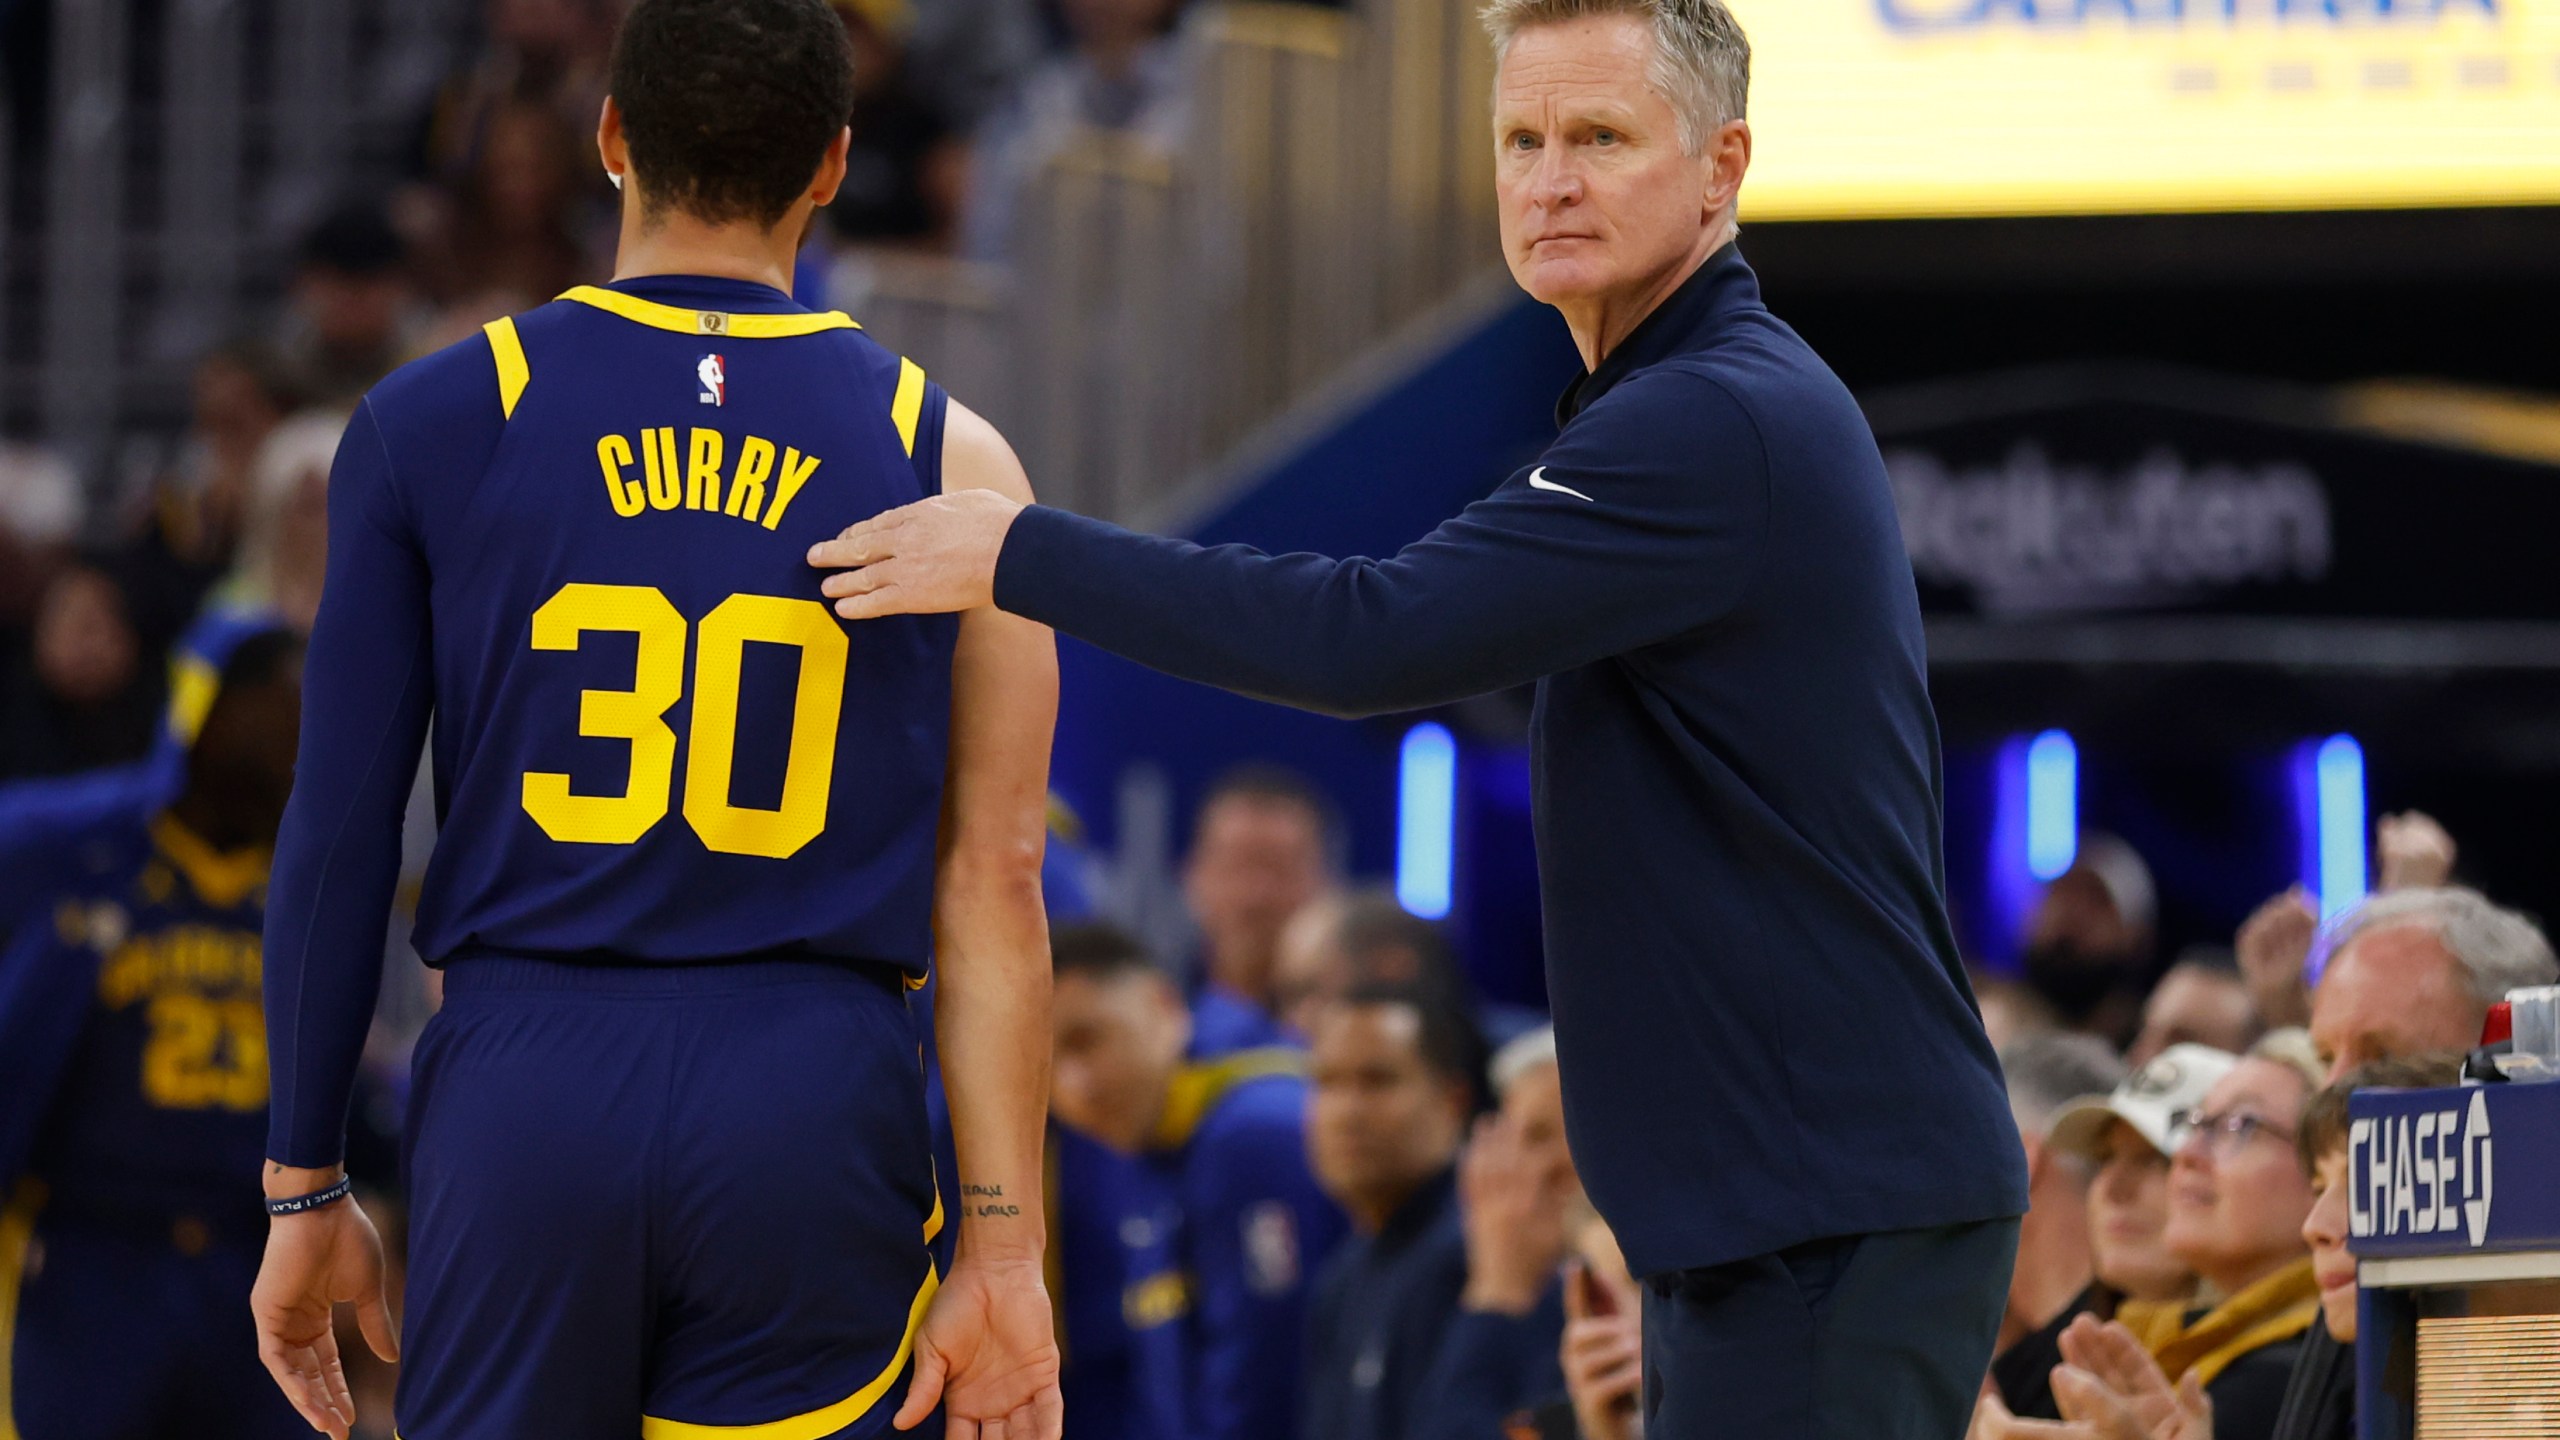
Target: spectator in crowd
x=1518 y=1195
x=1338 y=941
x=1215 y=1216
x=2237 y=1201
x=2411 y=852
x=39 y=520
x=2123 y=1136
x=2120 y=1393
x=2414 y=971
x=133 y=1056
x=85 y=689
x=2089 y=940
x=1393 y=1093
x=1262 y=846
x=965 y=58
x=2126 y=1134
x=510 y=238
x=2010 y=1011
x=907 y=165
x=284 y=534
x=355 y=313
x=1310 y=969
x=1603 y=1351
x=2320 y=1403
x=1122 y=74
x=555 y=52
x=2200 y=1001
x=2055 y=1276
x=240 y=393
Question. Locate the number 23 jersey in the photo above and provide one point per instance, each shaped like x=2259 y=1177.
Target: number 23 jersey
x=653 y=740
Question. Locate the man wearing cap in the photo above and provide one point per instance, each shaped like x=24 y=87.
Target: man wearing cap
x=2126 y=1134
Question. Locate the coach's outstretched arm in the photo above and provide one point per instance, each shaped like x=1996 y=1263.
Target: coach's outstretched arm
x=1641 y=523
x=987 y=1350
x=366 y=694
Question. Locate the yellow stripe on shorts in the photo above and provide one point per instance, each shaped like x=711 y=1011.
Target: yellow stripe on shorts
x=816 y=1423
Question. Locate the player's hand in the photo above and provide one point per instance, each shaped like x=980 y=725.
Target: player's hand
x=988 y=1355
x=929 y=558
x=315 y=1262
x=2274 y=946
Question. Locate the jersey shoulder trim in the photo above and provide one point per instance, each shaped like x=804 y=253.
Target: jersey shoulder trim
x=707 y=322
x=906 y=407
x=513 y=372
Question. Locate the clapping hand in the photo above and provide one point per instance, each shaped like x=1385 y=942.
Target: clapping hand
x=2108 y=1388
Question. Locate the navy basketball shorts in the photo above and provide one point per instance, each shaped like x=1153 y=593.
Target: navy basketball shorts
x=112 y=1330
x=674 y=1202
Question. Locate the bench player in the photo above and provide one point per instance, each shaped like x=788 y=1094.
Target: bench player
x=698 y=838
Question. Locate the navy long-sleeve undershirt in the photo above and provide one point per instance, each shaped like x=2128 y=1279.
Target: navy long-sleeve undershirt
x=367 y=691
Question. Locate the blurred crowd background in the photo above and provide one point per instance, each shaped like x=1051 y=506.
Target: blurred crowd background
x=2230 y=529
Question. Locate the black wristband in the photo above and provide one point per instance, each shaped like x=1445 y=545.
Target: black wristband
x=346 y=1186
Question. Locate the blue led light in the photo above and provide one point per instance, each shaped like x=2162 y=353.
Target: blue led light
x=2338 y=780
x=1426 y=820
x=2053 y=804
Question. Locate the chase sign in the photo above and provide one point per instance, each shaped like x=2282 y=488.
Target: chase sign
x=2448 y=1172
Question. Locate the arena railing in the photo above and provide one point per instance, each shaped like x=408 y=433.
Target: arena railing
x=1164 y=301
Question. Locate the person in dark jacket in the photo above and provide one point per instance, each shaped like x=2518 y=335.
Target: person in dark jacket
x=2056 y=1276
x=1394 y=1089
x=1518 y=1195
x=1737 y=774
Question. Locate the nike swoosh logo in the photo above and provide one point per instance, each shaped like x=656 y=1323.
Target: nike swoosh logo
x=1538 y=481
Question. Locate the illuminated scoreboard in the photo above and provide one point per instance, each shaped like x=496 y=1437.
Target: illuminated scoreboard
x=1905 y=108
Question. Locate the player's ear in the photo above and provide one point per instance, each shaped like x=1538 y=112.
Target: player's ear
x=611 y=145
x=830 y=176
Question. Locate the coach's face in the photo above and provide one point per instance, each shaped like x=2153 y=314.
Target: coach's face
x=1600 y=203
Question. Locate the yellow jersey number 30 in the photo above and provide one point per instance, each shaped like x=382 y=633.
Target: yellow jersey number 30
x=638 y=715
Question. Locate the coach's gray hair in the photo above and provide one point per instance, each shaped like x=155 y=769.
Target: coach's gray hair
x=2500 y=950
x=1701 y=58
x=2049 y=1069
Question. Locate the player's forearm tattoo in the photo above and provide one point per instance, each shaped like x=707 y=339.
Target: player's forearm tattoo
x=995 y=1210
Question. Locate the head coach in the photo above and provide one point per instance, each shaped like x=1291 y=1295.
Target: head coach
x=1776 y=1083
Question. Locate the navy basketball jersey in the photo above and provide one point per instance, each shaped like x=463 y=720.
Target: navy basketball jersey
x=162 y=1108
x=653 y=738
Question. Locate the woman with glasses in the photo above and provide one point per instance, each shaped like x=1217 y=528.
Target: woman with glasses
x=2237 y=1199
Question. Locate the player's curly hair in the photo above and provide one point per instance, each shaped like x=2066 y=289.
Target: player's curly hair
x=729 y=105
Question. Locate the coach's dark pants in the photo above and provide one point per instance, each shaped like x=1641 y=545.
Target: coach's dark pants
x=1864 y=1337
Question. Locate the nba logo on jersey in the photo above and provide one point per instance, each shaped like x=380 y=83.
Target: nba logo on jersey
x=714 y=375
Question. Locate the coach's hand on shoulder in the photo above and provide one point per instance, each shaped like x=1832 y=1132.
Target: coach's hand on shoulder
x=315 y=1262
x=988 y=1354
x=928 y=558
